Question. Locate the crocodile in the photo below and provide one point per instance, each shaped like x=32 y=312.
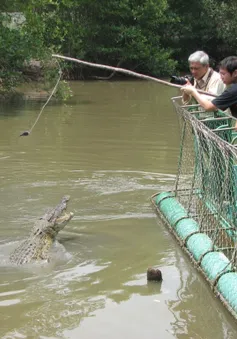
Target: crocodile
x=41 y=238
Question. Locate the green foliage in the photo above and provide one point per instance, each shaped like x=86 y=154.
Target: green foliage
x=208 y=25
x=223 y=15
x=128 y=32
x=51 y=78
x=64 y=91
x=18 y=45
x=13 y=52
x=54 y=24
x=191 y=29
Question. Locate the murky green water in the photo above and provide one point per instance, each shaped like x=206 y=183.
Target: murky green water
x=110 y=147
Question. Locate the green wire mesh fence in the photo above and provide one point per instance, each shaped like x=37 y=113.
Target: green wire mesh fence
x=206 y=183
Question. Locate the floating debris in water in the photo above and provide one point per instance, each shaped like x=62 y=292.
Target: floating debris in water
x=154 y=274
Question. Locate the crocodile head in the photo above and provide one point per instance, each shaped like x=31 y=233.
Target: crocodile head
x=51 y=228
x=61 y=218
x=61 y=222
x=54 y=220
x=42 y=236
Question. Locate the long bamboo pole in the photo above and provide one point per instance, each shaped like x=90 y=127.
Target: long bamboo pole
x=123 y=70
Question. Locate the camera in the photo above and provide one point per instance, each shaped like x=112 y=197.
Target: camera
x=181 y=80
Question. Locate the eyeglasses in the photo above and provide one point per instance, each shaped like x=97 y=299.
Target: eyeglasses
x=195 y=68
x=223 y=73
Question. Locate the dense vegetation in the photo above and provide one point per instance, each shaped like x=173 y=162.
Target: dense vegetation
x=149 y=36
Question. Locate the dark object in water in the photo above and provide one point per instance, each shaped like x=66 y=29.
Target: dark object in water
x=24 y=133
x=154 y=274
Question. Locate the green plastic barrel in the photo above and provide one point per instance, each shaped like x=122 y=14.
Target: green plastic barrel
x=170 y=208
x=227 y=286
x=198 y=244
x=215 y=263
x=185 y=227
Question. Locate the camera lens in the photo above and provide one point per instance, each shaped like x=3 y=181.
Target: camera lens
x=178 y=80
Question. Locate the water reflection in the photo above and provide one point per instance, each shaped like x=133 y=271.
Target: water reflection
x=190 y=309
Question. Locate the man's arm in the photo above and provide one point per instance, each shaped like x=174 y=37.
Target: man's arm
x=205 y=103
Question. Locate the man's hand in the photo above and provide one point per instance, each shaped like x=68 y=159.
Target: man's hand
x=188 y=82
x=188 y=89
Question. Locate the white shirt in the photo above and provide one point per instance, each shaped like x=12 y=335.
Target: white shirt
x=214 y=86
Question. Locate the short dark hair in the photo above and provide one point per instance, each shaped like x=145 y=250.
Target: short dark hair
x=229 y=63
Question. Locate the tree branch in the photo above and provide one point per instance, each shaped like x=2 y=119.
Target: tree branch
x=125 y=71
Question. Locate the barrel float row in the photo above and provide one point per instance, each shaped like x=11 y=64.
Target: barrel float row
x=215 y=265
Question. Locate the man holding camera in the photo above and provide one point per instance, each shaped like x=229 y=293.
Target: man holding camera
x=204 y=77
x=228 y=99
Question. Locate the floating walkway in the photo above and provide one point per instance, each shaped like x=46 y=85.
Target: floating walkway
x=201 y=211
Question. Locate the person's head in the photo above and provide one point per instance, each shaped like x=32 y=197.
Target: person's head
x=198 y=64
x=228 y=70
